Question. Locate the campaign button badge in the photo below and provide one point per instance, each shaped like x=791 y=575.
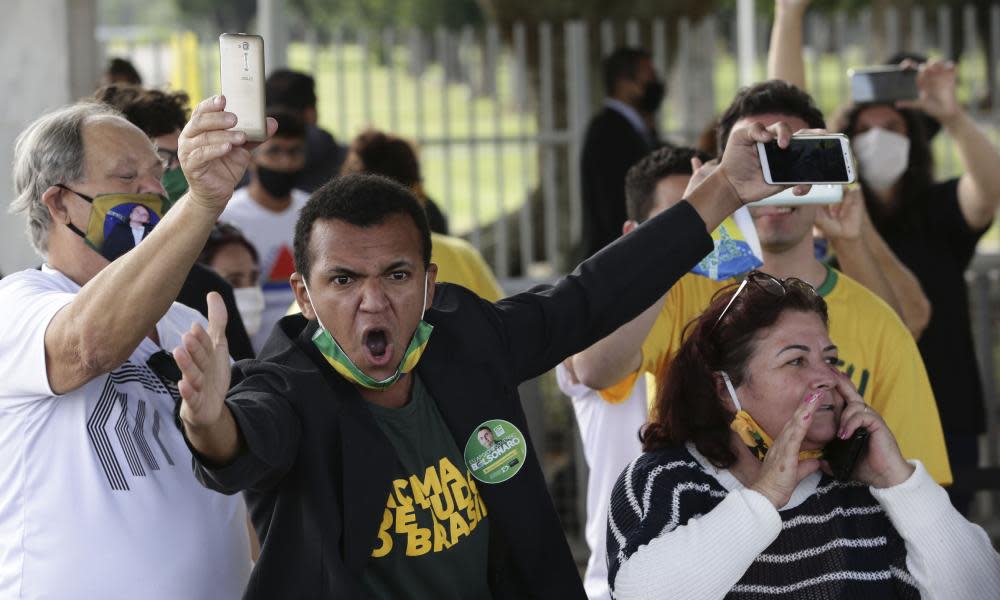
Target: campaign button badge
x=496 y=451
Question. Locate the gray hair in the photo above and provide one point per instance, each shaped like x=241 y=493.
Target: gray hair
x=47 y=152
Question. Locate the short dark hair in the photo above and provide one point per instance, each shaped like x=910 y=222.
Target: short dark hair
x=362 y=201
x=155 y=112
x=642 y=179
x=292 y=90
x=768 y=97
x=381 y=153
x=623 y=63
x=484 y=428
x=120 y=70
x=290 y=124
x=688 y=407
x=222 y=235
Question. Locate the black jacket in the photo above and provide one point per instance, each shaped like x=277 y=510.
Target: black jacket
x=611 y=146
x=317 y=469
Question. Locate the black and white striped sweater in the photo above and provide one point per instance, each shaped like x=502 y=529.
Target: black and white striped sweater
x=837 y=543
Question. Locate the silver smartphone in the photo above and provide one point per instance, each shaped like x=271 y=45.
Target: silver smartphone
x=818 y=194
x=241 y=57
x=808 y=159
x=887 y=83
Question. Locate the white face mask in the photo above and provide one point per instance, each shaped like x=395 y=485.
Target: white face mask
x=882 y=156
x=250 y=303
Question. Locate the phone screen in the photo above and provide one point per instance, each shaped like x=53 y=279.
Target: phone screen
x=807 y=160
x=884 y=86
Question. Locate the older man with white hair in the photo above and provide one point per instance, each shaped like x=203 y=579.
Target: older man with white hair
x=97 y=498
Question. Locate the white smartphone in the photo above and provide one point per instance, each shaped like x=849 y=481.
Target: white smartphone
x=808 y=159
x=241 y=57
x=818 y=194
x=887 y=83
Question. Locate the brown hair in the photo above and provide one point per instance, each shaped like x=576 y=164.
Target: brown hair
x=688 y=407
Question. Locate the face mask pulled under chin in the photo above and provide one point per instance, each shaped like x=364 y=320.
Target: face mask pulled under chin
x=250 y=303
x=882 y=157
x=277 y=183
x=337 y=358
x=752 y=434
x=119 y=222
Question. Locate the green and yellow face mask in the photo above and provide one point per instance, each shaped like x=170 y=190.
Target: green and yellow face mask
x=342 y=364
x=118 y=222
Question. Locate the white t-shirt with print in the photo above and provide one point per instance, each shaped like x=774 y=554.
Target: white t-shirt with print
x=610 y=436
x=97 y=494
x=272 y=235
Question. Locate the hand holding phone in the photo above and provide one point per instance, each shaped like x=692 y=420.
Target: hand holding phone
x=887 y=84
x=808 y=159
x=843 y=455
x=241 y=59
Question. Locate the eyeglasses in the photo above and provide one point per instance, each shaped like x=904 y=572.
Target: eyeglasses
x=770 y=284
x=168 y=158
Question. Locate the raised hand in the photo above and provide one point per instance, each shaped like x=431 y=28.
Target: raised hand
x=936 y=81
x=843 y=221
x=699 y=173
x=782 y=470
x=883 y=464
x=212 y=156
x=203 y=358
x=740 y=163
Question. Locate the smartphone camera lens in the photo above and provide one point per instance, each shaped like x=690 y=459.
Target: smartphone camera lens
x=246 y=45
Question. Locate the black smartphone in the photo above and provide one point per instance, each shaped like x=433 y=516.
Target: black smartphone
x=843 y=455
x=883 y=84
x=809 y=158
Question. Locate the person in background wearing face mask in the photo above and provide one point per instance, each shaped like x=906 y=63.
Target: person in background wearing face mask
x=616 y=138
x=161 y=116
x=266 y=211
x=932 y=227
x=234 y=258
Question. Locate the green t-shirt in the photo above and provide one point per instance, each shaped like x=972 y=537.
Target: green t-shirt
x=434 y=537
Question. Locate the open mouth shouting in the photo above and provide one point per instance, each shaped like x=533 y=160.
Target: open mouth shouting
x=377 y=347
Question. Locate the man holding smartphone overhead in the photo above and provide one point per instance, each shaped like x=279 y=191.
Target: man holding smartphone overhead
x=358 y=436
x=96 y=499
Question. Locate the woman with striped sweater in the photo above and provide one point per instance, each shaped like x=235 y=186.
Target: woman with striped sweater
x=733 y=497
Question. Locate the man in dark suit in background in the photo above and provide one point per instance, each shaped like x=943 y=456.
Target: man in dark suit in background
x=617 y=137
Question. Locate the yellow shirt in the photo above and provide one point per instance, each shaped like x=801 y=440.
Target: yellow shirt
x=876 y=351
x=458 y=262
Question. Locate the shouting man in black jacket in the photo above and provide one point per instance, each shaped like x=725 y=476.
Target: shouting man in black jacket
x=379 y=438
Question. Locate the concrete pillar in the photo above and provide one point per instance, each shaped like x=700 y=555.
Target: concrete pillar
x=50 y=58
x=271 y=23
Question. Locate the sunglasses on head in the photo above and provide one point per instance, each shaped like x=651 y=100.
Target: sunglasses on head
x=768 y=283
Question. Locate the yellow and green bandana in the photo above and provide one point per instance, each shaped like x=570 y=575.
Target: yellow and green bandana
x=342 y=363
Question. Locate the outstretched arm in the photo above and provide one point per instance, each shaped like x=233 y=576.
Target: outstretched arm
x=203 y=358
x=784 y=56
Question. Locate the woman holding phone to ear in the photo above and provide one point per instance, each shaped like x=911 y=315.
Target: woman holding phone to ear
x=731 y=498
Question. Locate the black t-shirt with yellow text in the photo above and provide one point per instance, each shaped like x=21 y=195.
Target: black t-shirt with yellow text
x=433 y=540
